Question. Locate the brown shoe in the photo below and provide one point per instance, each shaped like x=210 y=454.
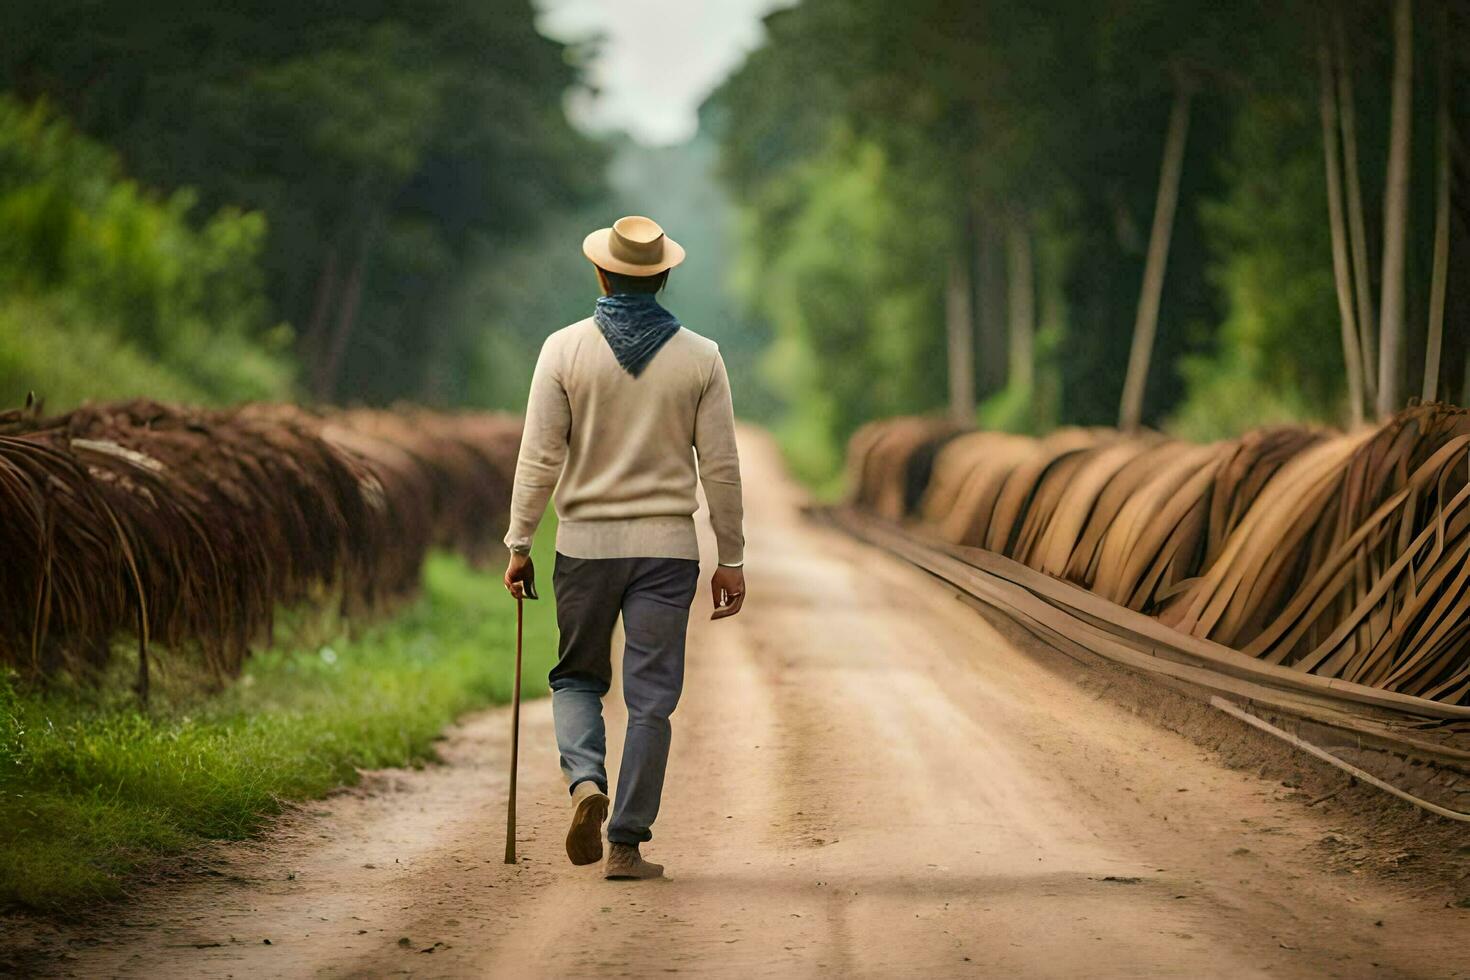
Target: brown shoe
x=589 y=810
x=624 y=863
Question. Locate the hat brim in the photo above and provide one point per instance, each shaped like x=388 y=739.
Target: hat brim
x=598 y=248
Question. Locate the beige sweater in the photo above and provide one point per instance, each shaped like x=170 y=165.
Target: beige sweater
x=620 y=451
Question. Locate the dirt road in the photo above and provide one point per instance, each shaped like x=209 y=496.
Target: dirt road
x=868 y=780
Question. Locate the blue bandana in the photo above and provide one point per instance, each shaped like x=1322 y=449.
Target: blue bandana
x=635 y=326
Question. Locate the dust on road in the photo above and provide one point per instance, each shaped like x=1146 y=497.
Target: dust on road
x=868 y=779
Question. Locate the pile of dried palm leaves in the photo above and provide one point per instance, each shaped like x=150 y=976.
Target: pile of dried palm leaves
x=192 y=527
x=1340 y=555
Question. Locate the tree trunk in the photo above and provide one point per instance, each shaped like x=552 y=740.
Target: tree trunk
x=1021 y=305
x=326 y=291
x=1396 y=216
x=1440 y=276
x=960 y=336
x=315 y=340
x=1357 y=230
x=991 y=306
x=1053 y=263
x=326 y=386
x=1351 y=355
x=1145 y=326
x=1465 y=384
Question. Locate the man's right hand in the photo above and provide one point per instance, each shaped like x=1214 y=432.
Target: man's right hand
x=520 y=575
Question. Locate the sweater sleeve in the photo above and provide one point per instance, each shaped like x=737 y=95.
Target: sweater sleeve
x=719 y=465
x=543 y=449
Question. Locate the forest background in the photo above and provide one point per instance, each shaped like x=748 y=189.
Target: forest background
x=888 y=208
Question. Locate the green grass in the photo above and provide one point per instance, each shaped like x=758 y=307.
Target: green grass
x=92 y=789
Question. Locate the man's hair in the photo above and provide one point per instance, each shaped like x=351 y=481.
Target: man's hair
x=620 y=283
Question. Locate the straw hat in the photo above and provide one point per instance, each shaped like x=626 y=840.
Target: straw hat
x=633 y=246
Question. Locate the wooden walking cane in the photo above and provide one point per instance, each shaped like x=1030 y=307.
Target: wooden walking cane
x=515 y=727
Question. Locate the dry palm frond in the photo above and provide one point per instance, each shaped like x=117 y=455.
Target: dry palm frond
x=884 y=458
x=1256 y=458
x=978 y=466
x=191 y=527
x=1385 y=604
x=1264 y=550
x=1064 y=532
x=1042 y=513
x=1344 y=555
x=1135 y=473
x=1154 y=538
x=859 y=448
x=950 y=473
x=1020 y=485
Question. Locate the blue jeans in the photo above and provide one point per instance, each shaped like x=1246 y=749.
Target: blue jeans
x=653 y=596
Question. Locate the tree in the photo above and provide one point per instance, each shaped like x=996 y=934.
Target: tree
x=1395 y=216
x=1352 y=356
x=389 y=144
x=1021 y=302
x=1055 y=110
x=1130 y=415
x=960 y=336
x=1357 y=234
x=108 y=288
x=990 y=305
x=1444 y=135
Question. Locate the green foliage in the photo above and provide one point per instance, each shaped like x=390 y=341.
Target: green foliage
x=1279 y=354
x=91 y=788
x=680 y=186
x=1012 y=409
x=1228 y=395
x=366 y=110
x=388 y=145
x=513 y=297
x=844 y=287
x=68 y=360
x=507 y=304
x=93 y=266
x=1052 y=115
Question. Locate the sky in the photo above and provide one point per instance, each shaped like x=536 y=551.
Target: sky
x=659 y=59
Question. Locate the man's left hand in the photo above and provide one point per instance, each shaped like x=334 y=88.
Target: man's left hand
x=728 y=588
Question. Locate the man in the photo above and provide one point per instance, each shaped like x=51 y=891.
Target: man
x=620 y=404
